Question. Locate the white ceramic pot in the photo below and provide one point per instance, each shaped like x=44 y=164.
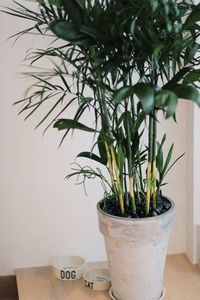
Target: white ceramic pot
x=136 y=251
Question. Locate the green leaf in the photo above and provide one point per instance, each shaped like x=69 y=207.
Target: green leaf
x=75 y=11
x=102 y=148
x=174 y=163
x=190 y=52
x=145 y=93
x=193 y=17
x=187 y=92
x=177 y=77
x=135 y=144
x=167 y=100
x=67 y=31
x=162 y=142
x=139 y=120
x=132 y=27
x=167 y=161
x=58 y=3
x=122 y=93
x=91 y=32
x=121 y=118
x=156 y=53
x=191 y=77
x=159 y=158
x=62 y=124
x=120 y=159
x=92 y=156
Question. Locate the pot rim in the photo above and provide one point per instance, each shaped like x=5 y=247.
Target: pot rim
x=151 y=219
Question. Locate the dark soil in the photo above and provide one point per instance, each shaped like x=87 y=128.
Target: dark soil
x=110 y=206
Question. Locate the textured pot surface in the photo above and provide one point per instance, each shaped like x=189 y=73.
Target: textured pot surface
x=136 y=251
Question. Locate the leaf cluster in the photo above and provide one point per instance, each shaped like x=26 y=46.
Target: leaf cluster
x=135 y=58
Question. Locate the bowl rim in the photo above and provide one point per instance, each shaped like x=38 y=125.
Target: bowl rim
x=57 y=262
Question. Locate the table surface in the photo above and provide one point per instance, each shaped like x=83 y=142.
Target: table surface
x=182 y=281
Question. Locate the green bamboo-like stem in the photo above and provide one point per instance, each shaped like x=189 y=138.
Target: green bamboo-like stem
x=149 y=167
x=105 y=126
x=148 y=191
x=113 y=162
x=138 y=188
x=132 y=98
x=130 y=163
x=154 y=172
x=125 y=186
x=132 y=196
x=140 y=173
x=110 y=168
x=118 y=182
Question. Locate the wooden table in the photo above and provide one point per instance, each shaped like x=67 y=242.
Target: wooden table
x=182 y=281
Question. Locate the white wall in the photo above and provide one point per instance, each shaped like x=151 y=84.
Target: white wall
x=193 y=168
x=193 y=203
x=41 y=214
x=177 y=189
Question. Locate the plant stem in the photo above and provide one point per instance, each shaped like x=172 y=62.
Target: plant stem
x=140 y=173
x=132 y=196
x=110 y=168
x=120 y=190
x=132 y=98
x=105 y=119
x=130 y=162
x=154 y=173
x=148 y=178
x=125 y=186
x=137 y=183
x=148 y=192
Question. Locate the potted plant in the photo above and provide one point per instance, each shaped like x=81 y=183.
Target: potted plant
x=129 y=61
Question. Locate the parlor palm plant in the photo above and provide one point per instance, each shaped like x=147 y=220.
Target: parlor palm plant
x=128 y=60
x=136 y=58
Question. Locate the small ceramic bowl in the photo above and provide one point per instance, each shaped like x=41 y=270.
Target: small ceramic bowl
x=97 y=279
x=68 y=267
x=161 y=297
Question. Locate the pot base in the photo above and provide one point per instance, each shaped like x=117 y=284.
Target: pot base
x=161 y=297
